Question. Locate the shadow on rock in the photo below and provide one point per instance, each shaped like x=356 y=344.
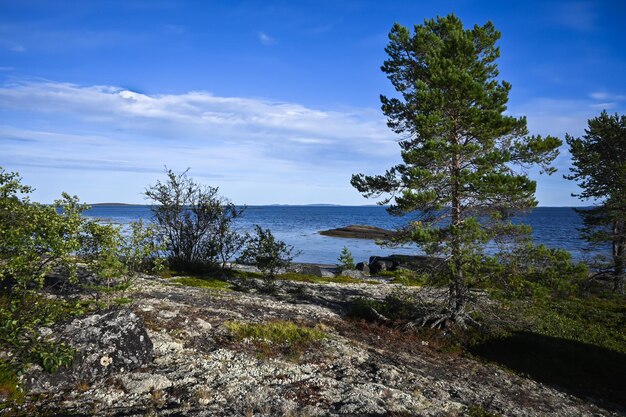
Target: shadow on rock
x=589 y=372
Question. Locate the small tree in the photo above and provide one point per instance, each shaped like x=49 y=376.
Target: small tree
x=346 y=261
x=459 y=150
x=599 y=159
x=266 y=253
x=192 y=220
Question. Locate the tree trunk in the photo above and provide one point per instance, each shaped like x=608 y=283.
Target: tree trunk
x=457 y=286
x=619 y=255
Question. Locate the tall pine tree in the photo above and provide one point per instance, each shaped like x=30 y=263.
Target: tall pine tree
x=599 y=159
x=464 y=161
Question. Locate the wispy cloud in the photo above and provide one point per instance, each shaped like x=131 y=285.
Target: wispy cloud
x=266 y=39
x=12 y=46
x=264 y=151
x=173 y=29
x=580 y=16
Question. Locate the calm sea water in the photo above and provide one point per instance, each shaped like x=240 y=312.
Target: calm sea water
x=300 y=225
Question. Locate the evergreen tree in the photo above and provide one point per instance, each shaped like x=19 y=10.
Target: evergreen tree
x=459 y=151
x=599 y=159
x=346 y=260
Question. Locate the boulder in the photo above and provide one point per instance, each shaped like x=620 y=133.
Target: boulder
x=379 y=263
x=352 y=274
x=363 y=267
x=412 y=262
x=105 y=342
x=318 y=270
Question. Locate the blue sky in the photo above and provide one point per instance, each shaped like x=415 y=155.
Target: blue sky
x=272 y=101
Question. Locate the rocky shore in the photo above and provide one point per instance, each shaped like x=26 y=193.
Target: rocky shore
x=169 y=352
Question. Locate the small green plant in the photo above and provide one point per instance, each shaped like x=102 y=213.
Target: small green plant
x=11 y=391
x=479 y=411
x=346 y=261
x=267 y=253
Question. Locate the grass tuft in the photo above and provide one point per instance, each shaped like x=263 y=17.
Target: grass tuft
x=278 y=332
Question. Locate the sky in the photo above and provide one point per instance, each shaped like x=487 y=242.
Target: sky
x=274 y=102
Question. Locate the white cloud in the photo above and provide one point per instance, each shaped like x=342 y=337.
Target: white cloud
x=603 y=95
x=266 y=39
x=244 y=144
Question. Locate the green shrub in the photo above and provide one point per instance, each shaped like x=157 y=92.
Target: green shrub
x=194 y=222
x=21 y=315
x=36 y=239
x=535 y=271
x=140 y=250
x=266 y=253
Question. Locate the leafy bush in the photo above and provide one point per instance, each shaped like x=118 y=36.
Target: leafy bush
x=266 y=253
x=36 y=239
x=346 y=261
x=140 y=249
x=194 y=222
x=20 y=318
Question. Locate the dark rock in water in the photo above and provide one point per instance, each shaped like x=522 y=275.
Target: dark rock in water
x=105 y=342
x=358 y=231
x=412 y=262
x=363 y=267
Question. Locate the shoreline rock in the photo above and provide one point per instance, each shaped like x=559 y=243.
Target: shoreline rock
x=359 y=231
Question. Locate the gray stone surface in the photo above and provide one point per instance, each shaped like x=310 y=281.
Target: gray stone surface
x=106 y=343
x=197 y=369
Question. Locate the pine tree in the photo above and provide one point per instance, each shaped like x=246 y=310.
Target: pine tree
x=599 y=159
x=459 y=151
x=346 y=260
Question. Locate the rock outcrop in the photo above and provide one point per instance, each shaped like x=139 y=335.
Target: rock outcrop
x=184 y=362
x=106 y=343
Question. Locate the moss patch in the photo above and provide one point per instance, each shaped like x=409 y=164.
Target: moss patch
x=203 y=282
x=405 y=277
x=277 y=337
x=575 y=344
x=293 y=276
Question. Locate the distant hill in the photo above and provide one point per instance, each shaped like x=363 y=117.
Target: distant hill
x=114 y=204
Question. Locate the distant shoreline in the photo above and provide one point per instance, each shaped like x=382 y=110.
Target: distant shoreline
x=300 y=205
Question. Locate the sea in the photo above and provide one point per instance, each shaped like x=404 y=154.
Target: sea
x=299 y=226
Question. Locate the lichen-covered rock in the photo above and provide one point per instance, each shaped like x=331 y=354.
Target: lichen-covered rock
x=106 y=342
x=352 y=274
x=199 y=369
